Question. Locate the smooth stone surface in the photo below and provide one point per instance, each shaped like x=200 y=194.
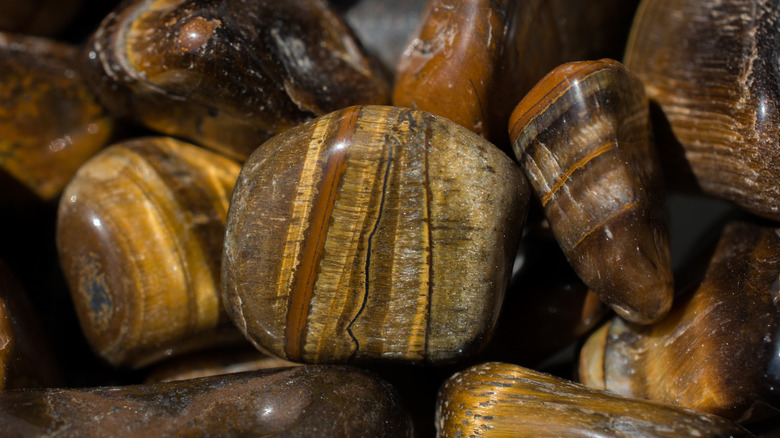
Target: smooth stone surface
x=473 y=61
x=717 y=350
x=139 y=233
x=499 y=399
x=582 y=135
x=372 y=234
x=194 y=69
x=50 y=121
x=312 y=401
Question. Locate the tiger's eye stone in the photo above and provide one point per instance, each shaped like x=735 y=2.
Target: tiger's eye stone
x=582 y=135
x=472 y=61
x=139 y=233
x=295 y=402
x=374 y=234
x=50 y=121
x=711 y=68
x=499 y=399
x=229 y=74
x=717 y=350
x=26 y=357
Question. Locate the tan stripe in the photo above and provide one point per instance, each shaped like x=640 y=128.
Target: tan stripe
x=573 y=168
x=314 y=242
x=307 y=190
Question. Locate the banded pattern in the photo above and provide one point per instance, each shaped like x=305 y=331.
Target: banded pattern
x=472 y=61
x=582 y=137
x=139 y=233
x=189 y=68
x=499 y=399
x=711 y=68
x=717 y=351
x=372 y=233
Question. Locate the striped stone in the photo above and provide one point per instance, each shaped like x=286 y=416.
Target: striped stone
x=372 y=233
x=582 y=136
x=139 y=233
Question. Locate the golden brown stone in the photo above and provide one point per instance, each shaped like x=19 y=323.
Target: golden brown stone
x=717 y=349
x=472 y=61
x=582 y=135
x=372 y=233
x=498 y=399
x=139 y=232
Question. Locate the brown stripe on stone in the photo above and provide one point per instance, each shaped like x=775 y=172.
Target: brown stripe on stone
x=544 y=99
x=305 y=276
x=606 y=147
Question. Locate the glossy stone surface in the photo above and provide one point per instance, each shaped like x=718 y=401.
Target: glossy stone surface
x=139 y=233
x=710 y=68
x=50 y=121
x=471 y=62
x=229 y=74
x=372 y=234
x=295 y=402
x=717 y=350
x=499 y=399
x=582 y=135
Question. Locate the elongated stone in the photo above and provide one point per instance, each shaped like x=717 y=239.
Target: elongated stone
x=296 y=402
x=582 y=135
x=499 y=399
x=229 y=74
